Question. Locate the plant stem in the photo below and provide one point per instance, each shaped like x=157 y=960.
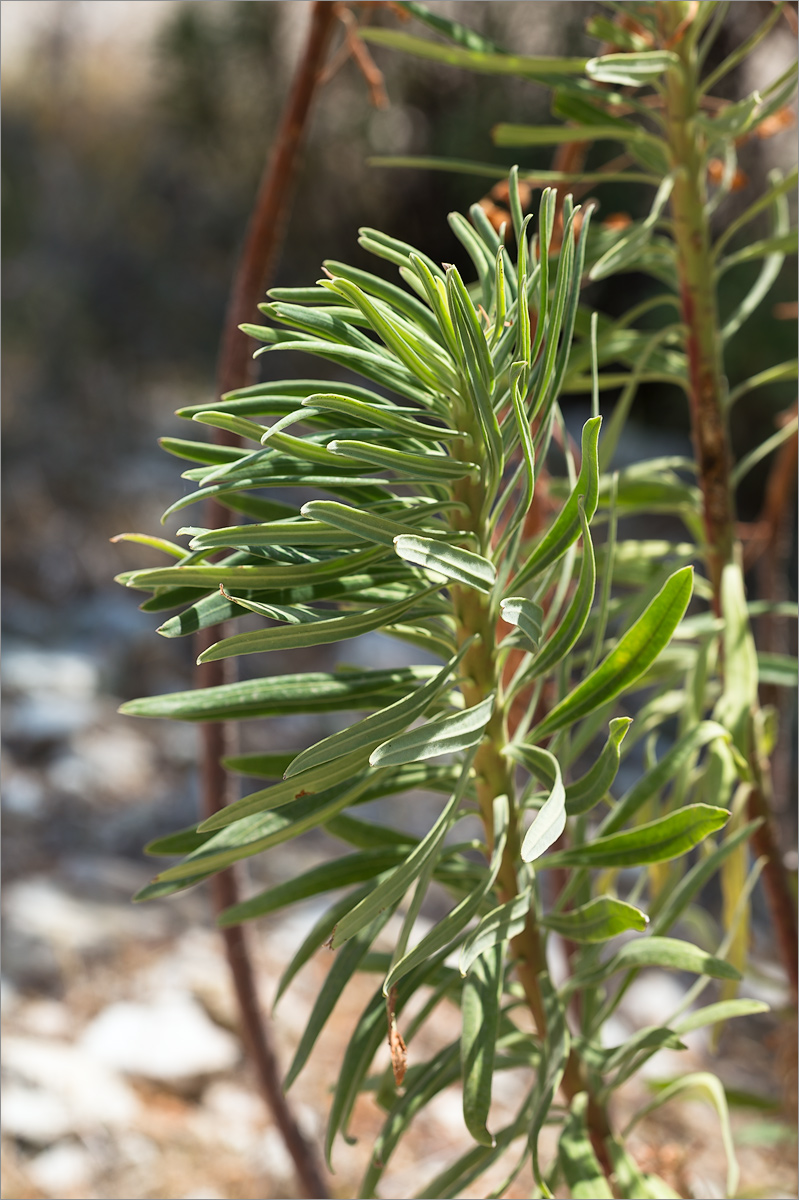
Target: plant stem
x=699 y=310
x=474 y=614
x=235 y=366
x=709 y=425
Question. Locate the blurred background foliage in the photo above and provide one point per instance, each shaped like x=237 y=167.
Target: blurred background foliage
x=129 y=168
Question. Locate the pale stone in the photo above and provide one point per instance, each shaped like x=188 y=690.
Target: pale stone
x=61 y=1169
x=63 y=1079
x=170 y=1040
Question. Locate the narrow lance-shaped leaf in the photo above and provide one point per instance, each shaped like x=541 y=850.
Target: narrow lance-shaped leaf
x=584 y=793
x=374 y=729
x=597 y=920
x=524 y=613
x=432 y=467
x=312 y=692
x=336 y=873
x=446 y=735
x=670 y=953
x=657 y=841
x=393 y=888
x=633 y=655
x=550 y=821
x=315 y=633
x=346 y=963
x=654 y=779
x=574 y=619
x=480 y=1001
x=631 y=70
x=501 y=924
x=566 y=528
x=461 y=566
x=453 y=924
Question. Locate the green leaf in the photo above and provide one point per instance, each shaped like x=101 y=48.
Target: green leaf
x=480 y=1001
x=319 y=934
x=524 y=66
x=584 y=793
x=279 y=695
x=499 y=925
x=253 y=577
x=431 y=467
x=394 y=887
x=625 y=252
x=669 y=953
x=657 y=841
x=634 y=654
x=445 y=735
x=526 y=614
x=370 y=1032
x=669 y=906
x=329 y=875
x=452 y=925
x=155 y=543
x=460 y=34
x=461 y=566
x=369 y=526
x=714 y=1014
x=711 y=1089
x=374 y=729
x=346 y=963
x=550 y=821
x=382 y=415
x=580 y=1166
x=659 y=775
x=260 y=830
x=555 y=1049
x=739 y=693
x=633 y=69
x=558 y=645
x=629 y=1180
x=566 y=527
x=597 y=920
x=558 y=135
x=314 y=633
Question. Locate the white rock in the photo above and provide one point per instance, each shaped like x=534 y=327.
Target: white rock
x=33 y=1115
x=44 y=717
x=74 y=1091
x=45 y=1018
x=61 y=1170
x=40 y=909
x=196 y=964
x=29 y=669
x=170 y=1040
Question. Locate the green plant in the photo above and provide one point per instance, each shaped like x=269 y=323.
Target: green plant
x=652 y=95
x=427 y=542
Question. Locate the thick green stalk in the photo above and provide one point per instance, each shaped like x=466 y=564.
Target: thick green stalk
x=474 y=614
x=494 y=774
x=698 y=294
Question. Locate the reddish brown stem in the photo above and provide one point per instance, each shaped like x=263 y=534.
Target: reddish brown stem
x=781 y=901
x=263 y=240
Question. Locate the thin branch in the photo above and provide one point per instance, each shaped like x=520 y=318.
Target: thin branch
x=262 y=243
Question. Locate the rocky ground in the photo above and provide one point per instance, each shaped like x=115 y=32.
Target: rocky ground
x=123 y=1074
